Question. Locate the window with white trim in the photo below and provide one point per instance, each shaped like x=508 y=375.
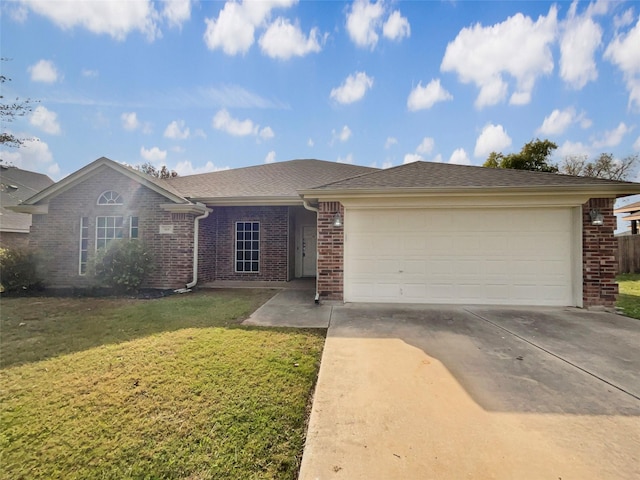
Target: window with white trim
x=247 y=247
x=84 y=245
x=108 y=229
x=133 y=227
x=110 y=198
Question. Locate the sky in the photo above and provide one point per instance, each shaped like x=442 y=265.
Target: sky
x=208 y=85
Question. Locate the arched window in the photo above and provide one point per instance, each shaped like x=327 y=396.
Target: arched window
x=110 y=198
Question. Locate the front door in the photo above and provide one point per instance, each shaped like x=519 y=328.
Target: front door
x=309 y=250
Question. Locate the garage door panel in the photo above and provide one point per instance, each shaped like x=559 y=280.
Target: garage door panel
x=504 y=256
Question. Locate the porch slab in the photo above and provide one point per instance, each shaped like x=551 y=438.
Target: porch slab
x=292 y=308
x=297 y=284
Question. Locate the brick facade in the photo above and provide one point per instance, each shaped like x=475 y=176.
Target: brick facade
x=330 y=252
x=56 y=235
x=217 y=244
x=599 y=255
x=14 y=240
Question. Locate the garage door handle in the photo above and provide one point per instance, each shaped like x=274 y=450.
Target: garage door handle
x=400 y=271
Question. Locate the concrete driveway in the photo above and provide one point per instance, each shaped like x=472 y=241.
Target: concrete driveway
x=419 y=392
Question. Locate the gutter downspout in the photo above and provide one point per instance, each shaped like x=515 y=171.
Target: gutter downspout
x=196 y=225
x=306 y=205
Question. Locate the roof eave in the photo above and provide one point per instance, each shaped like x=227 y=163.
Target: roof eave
x=284 y=201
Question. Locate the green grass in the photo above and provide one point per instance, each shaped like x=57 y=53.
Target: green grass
x=166 y=388
x=629 y=297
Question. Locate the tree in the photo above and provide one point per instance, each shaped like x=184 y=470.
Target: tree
x=162 y=172
x=533 y=156
x=9 y=110
x=604 y=166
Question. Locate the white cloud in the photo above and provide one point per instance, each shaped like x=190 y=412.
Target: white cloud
x=88 y=73
x=44 y=71
x=626 y=19
x=362 y=22
x=612 y=138
x=266 y=133
x=460 y=157
x=33 y=155
x=580 y=39
x=45 y=120
x=116 y=19
x=557 y=121
x=153 y=155
x=426 y=146
x=224 y=122
x=412 y=157
x=493 y=138
x=185 y=167
x=176 y=12
x=426 y=97
x=234 y=29
x=283 y=40
x=518 y=47
x=396 y=27
x=271 y=157
x=352 y=89
x=390 y=142
x=623 y=51
x=348 y=159
x=177 y=130
x=310 y=142
x=568 y=149
x=130 y=121
x=636 y=145
x=343 y=135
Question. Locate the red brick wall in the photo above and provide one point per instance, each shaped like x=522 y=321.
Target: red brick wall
x=330 y=252
x=14 y=240
x=56 y=234
x=599 y=255
x=218 y=243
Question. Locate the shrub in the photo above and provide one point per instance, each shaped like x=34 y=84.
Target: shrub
x=123 y=266
x=18 y=270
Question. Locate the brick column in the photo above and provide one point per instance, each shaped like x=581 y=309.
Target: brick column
x=330 y=252
x=599 y=255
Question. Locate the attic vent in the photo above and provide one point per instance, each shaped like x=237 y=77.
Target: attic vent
x=110 y=198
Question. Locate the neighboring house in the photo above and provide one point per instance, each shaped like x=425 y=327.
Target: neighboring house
x=17 y=185
x=633 y=210
x=417 y=233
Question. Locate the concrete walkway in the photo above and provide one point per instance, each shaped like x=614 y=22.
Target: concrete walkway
x=477 y=393
x=292 y=308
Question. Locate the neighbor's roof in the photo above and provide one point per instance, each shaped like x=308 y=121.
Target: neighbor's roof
x=422 y=176
x=280 y=180
x=632 y=207
x=16 y=185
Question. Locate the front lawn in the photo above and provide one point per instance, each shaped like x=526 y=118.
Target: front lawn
x=629 y=297
x=166 y=388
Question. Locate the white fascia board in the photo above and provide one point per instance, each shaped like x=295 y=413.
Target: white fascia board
x=41 y=209
x=251 y=201
x=192 y=208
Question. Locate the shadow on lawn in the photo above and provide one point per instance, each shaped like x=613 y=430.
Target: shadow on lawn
x=38 y=328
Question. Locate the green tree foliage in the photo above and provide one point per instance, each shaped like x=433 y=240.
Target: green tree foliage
x=123 y=265
x=9 y=110
x=18 y=270
x=162 y=172
x=533 y=156
x=604 y=166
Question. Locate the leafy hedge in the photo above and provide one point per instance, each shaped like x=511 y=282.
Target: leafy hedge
x=123 y=266
x=19 y=270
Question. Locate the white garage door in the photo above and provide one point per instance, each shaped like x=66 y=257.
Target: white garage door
x=463 y=256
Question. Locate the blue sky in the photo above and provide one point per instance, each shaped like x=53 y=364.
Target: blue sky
x=207 y=85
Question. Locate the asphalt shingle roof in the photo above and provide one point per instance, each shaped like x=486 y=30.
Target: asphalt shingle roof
x=17 y=185
x=426 y=175
x=280 y=179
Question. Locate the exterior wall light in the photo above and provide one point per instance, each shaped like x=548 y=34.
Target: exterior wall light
x=337 y=220
x=597 y=218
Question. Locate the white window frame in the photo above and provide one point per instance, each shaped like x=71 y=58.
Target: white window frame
x=108 y=228
x=109 y=197
x=84 y=236
x=132 y=228
x=249 y=245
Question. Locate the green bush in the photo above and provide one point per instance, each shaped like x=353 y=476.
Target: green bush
x=123 y=266
x=18 y=270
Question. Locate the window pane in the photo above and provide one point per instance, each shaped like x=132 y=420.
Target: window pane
x=240 y=227
x=254 y=266
x=239 y=256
